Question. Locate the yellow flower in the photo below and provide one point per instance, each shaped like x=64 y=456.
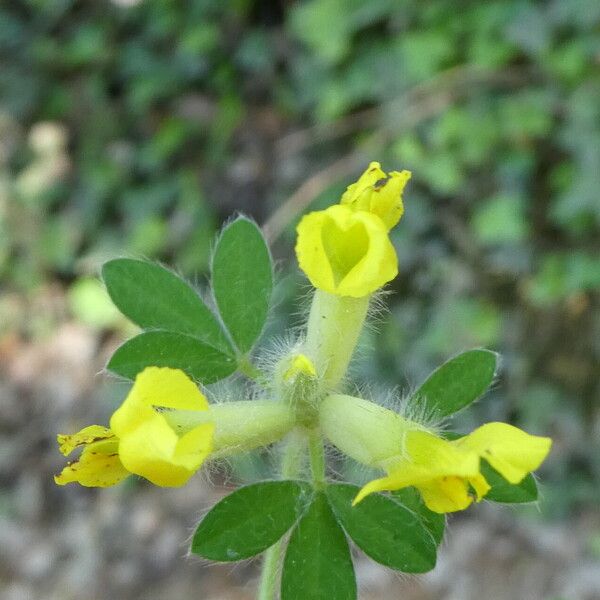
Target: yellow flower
x=447 y=473
x=378 y=193
x=299 y=364
x=99 y=464
x=141 y=440
x=148 y=445
x=344 y=252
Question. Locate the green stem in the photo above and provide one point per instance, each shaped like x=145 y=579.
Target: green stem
x=291 y=465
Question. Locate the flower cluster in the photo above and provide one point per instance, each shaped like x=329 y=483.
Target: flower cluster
x=166 y=429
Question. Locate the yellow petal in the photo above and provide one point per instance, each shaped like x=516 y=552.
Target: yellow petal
x=369 y=178
x=511 y=451
x=377 y=485
x=405 y=474
x=438 y=458
x=153 y=450
x=434 y=466
x=193 y=448
x=156 y=387
x=148 y=445
x=378 y=193
x=445 y=495
x=169 y=388
x=93 y=469
x=386 y=198
x=480 y=485
x=441 y=495
x=88 y=435
x=300 y=363
x=344 y=252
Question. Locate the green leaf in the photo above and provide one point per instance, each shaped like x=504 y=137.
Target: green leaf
x=458 y=382
x=249 y=520
x=384 y=529
x=317 y=563
x=155 y=298
x=411 y=499
x=242 y=281
x=168 y=349
x=505 y=492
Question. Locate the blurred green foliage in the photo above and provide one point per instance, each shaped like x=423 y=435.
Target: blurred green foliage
x=133 y=128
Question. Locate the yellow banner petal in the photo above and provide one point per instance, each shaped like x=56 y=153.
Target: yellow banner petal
x=156 y=387
x=169 y=388
x=153 y=450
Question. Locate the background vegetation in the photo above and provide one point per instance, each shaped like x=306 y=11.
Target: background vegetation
x=136 y=128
